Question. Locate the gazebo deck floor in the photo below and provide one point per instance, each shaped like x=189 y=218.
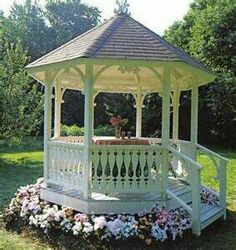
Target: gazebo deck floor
x=129 y=203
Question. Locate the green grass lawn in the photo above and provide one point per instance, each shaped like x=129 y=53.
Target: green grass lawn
x=23 y=165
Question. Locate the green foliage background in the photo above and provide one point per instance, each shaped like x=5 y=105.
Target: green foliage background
x=207 y=32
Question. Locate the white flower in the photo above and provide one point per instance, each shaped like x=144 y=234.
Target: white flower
x=55 y=207
x=99 y=222
x=24 y=208
x=77 y=228
x=88 y=228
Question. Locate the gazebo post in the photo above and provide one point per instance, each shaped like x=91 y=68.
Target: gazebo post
x=139 y=106
x=94 y=105
x=165 y=128
x=57 y=116
x=175 y=102
x=194 y=117
x=196 y=177
x=47 y=122
x=88 y=125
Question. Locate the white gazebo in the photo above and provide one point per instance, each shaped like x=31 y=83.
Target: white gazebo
x=123 y=56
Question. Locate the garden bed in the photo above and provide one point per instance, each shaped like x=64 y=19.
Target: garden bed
x=27 y=212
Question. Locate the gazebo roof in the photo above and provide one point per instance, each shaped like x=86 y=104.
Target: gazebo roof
x=121 y=37
x=126 y=56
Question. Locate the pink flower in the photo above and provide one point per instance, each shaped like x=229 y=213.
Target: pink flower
x=33 y=206
x=81 y=217
x=23 y=194
x=114 y=121
x=162 y=217
x=61 y=214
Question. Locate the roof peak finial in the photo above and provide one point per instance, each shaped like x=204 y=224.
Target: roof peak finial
x=122 y=8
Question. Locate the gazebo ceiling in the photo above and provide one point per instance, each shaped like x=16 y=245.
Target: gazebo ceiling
x=126 y=56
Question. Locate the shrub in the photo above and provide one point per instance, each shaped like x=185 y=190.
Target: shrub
x=73 y=130
x=104 y=130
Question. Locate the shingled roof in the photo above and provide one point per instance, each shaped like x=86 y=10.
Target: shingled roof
x=121 y=37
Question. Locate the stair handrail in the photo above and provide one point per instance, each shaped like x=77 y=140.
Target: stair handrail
x=221 y=174
x=195 y=182
x=208 y=151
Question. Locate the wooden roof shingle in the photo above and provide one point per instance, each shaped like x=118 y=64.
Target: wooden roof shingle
x=121 y=37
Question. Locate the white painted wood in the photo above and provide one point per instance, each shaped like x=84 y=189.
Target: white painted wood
x=132 y=168
x=211 y=216
x=93 y=106
x=139 y=97
x=220 y=164
x=65 y=168
x=178 y=200
x=203 y=76
x=175 y=102
x=196 y=201
x=88 y=124
x=222 y=180
x=192 y=171
x=100 y=204
x=47 y=123
x=57 y=113
x=165 y=128
x=194 y=114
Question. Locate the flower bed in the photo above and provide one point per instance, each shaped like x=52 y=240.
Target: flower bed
x=26 y=209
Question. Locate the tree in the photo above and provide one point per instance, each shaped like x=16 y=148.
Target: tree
x=122 y=7
x=41 y=31
x=27 y=24
x=208 y=33
x=20 y=102
x=70 y=18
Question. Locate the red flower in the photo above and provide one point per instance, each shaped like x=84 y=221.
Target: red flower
x=115 y=121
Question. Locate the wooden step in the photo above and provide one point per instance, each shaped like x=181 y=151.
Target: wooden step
x=209 y=213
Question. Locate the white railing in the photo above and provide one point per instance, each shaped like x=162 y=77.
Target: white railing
x=219 y=163
x=218 y=171
x=65 y=165
x=193 y=171
x=126 y=168
x=70 y=139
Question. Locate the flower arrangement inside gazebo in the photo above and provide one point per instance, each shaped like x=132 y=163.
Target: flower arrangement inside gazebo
x=111 y=175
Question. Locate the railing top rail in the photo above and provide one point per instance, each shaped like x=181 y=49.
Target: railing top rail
x=208 y=151
x=184 y=157
x=66 y=145
x=151 y=146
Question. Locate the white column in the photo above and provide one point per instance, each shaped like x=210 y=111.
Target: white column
x=139 y=106
x=196 y=179
x=47 y=123
x=194 y=114
x=194 y=120
x=94 y=105
x=88 y=125
x=57 y=115
x=165 y=128
x=175 y=102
